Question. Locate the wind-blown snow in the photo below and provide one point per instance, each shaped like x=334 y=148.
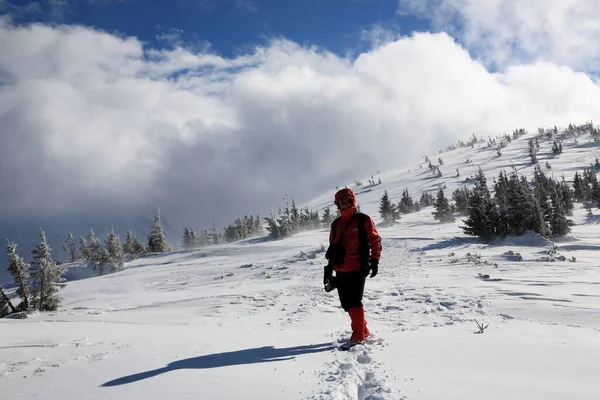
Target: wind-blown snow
x=250 y=320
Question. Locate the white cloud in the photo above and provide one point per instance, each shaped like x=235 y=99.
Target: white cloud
x=248 y=5
x=171 y=36
x=94 y=120
x=508 y=32
x=380 y=34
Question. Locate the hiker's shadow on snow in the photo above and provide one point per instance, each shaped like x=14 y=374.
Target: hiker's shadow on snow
x=240 y=357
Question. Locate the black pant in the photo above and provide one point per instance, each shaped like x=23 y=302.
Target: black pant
x=350 y=286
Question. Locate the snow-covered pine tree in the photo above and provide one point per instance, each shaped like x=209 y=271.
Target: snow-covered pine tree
x=556 y=148
x=186 y=238
x=387 y=210
x=578 y=192
x=258 y=226
x=273 y=227
x=566 y=196
x=294 y=218
x=6 y=306
x=157 y=242
x=214 y=235
x=482 y=211
x=426 y=199
x=193 y=238
x=501 y=190
x=114 y=250
x=84 y=251
x=443 y=209
x=461 y=200
x=132 y=246
x=304 y=219
x=70 y=248
x=406 y=204
x=20 y=273
x=47 y=276
x=559 y=224
x=327 y=218
x=532 y=151
x=97 y=252
x=239 y=228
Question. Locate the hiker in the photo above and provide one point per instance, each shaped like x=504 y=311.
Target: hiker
x=353 y=253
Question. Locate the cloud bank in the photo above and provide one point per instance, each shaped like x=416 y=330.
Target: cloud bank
x=510 y=32
x=93 y=122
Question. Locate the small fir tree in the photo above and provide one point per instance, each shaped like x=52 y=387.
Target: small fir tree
x=114 y=250
x=482 y=211
x=387 y=210
x=6 y=306
x=327 y=218
x=20 y=273
x=406 y=204
x=157 y=242
x=443 y=209
x=70 y=248
x=47 y=276
x=132 y=245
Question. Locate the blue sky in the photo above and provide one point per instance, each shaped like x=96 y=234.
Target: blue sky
x=230 y=26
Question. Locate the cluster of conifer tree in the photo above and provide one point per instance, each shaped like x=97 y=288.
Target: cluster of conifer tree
x=291 y=220
x=112 y=253
x=241 y=228
x=37 y=283
x=518 y=205
x=391 y=212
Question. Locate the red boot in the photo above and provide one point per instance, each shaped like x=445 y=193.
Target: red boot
x=358 y=324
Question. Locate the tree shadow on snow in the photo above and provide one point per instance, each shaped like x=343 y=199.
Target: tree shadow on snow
x=239 y=357
x=454 y=242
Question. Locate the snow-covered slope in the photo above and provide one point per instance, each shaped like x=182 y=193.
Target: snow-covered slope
x=250 y=320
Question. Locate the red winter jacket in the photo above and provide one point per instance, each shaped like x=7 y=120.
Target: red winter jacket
x=346 y=233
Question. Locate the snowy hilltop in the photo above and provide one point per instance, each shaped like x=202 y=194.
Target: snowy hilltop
x=504 y=308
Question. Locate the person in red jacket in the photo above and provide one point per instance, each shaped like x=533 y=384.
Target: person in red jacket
x=354 y=252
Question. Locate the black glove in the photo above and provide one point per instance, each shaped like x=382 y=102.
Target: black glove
x=328 y=274
x=374 y=267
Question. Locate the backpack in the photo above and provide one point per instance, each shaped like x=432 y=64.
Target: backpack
x=336 y=252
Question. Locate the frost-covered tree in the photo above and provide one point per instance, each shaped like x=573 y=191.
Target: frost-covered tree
x=293 y=216
x=20 y=273
x=187 y=239
x=556 y=148
x=83 y=248
x=193 y=238
x=6 y=306
x=47 y=276
x=426 y=199
x=443 y=209
x=157 y=242
x=132 y=245
x=461 y=200
x=388 y=211
x=70 y=248
x=578 y=190
x=533 y=151
x=406 y=204
x=327 y=218
x=96 y=252
x=566 y=196
x=114 y=250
